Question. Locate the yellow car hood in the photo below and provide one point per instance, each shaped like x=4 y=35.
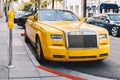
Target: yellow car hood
x=71 y=25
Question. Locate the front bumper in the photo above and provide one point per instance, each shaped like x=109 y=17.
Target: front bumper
x=63 y=54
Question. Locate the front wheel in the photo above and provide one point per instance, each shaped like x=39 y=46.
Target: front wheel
x=26 y=37
x=39 y=52
x=114 y=31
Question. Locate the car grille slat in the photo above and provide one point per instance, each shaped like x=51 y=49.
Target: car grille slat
x=81 y=57
x=75 y=41
x=82 y=41
x=90 y=41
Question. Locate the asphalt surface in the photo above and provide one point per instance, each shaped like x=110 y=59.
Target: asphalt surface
x=109 y=68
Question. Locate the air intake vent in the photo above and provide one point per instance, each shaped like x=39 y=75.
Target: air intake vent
x=81 y=57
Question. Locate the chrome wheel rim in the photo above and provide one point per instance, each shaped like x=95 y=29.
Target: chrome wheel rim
x=38 y=49
x=114 y=31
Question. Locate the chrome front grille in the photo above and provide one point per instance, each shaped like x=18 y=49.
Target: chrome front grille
x=79 y=39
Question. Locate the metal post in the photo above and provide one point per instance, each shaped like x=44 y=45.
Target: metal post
x=6 y=10
x=10 y=49
x=38 y=4
x=84 y=8
x=53 y=4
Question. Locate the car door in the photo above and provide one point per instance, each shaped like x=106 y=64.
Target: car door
x=94 y=20
x=28 y=28
x=97 y=20
x=104 y=23
x=34 y=28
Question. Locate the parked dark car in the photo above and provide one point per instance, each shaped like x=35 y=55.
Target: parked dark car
x=17 y=15
x=22 y=20
x=110 y=21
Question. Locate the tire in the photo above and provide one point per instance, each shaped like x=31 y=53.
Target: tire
x=23 y=26
x=39 y=52
x=26 y=37
x=114 y=31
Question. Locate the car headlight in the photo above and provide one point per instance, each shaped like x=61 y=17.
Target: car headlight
x=102 y=36
x=56 y=37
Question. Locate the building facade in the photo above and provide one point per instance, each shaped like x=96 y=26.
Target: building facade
x=74 y=6
x=91 y=8
x=93 y=5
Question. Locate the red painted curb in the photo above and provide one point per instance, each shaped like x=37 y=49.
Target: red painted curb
x=22 y=34
x=60 y=73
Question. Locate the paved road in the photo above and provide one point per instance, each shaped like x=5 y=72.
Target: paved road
x=109 y=68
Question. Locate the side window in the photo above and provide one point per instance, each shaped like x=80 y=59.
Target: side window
x=96 y=17
x=103 y=17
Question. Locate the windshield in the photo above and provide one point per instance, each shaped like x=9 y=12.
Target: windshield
x=57 y=15
x=114 y=17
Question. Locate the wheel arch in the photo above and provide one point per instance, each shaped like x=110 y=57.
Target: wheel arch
x=39 y=36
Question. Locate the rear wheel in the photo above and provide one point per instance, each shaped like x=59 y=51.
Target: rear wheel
x=39 y=52
x=26 y=37
x=114 y=31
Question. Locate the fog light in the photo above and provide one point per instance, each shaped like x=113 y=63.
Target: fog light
x=58 y=56
x=104 y=54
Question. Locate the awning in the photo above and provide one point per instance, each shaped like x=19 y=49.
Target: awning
x=108 y=6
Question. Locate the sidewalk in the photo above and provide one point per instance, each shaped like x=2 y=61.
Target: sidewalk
x=3 y=50
x=24 y=62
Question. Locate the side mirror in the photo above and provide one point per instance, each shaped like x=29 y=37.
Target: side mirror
x=31 y=18
x=80 y=17
x=83 y=19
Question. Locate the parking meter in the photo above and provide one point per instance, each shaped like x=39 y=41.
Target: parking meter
x=10 y=19
x=10 y=26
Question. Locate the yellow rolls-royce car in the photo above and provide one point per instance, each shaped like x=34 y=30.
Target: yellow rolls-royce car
x=59 y=35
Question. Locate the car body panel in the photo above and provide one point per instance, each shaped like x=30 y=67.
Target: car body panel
x=60 y=50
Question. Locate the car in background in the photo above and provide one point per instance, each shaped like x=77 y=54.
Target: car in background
x=59 y=35
x=109 y=21
x=17 y=15
x=22 y=20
